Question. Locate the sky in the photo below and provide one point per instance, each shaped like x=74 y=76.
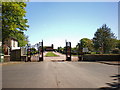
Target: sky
x=55 y=22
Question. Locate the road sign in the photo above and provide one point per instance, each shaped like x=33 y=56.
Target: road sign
x=85 y=49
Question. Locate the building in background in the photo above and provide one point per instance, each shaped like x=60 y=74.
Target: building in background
x=49 y=48
x=10 y=44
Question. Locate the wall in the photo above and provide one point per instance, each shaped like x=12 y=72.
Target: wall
x=6 y=58
x=17 y=55
x=14 y=43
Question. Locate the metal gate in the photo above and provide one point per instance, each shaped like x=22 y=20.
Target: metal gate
x=35 y=52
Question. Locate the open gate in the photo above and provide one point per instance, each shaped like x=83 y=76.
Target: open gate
x=38 y=56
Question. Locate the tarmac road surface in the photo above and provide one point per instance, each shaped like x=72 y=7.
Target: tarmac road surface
x=59 y=75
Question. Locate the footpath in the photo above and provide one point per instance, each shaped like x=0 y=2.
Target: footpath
x=11 y=62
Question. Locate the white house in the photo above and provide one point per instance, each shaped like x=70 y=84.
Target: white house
x=14 y=44
x=10 y=44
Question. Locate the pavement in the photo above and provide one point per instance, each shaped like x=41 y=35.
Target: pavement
x=59 y=75
x=11 y=62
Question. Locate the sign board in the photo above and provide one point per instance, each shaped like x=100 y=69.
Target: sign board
x=85 y=49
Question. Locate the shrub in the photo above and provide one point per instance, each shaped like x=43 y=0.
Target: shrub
x=115 y=51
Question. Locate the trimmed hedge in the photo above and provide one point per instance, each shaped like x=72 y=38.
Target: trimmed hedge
x=102 y=57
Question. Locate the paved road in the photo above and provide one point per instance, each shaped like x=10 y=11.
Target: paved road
x=59 y=75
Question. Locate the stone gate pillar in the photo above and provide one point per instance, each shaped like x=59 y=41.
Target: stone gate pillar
x=68 y=51
x=40 y=51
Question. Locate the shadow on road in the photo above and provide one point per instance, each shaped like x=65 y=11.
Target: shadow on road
x=113 y=85
x=110 y=63
x=117 y=63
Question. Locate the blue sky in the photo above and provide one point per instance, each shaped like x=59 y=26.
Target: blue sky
x=55 y=22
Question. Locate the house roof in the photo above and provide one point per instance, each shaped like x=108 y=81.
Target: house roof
x=13 y=38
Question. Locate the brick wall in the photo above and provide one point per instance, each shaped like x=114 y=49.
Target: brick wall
x=6 y=58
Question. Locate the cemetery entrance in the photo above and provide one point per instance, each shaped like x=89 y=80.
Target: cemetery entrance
x=35 y=52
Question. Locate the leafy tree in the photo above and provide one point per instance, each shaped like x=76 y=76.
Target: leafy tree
x=104 y=39
x=22 y=39
x=87 y=43
x=74 y=50
x=14 y=22
x=118 y=44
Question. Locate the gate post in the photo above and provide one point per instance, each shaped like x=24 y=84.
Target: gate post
x=80 y=53
x=68 y=51
x=41 y=51
x=28 y=53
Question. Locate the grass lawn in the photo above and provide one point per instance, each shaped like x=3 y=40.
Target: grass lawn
x=74 y=55
x=51 y=54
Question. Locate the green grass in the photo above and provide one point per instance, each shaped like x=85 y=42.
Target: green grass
x=74 y=55
x=51 y=54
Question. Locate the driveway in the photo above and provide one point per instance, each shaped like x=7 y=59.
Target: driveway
x=61 y=57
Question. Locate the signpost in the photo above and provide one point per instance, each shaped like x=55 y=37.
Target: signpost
x=85 y=49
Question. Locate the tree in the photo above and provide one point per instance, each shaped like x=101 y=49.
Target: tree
x=14 y=22
x=22 y=39
x=118 y=44
x=87 y=43
x=104 y=39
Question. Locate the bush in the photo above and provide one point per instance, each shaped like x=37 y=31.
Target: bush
x=115 y=51
x=97 y=52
